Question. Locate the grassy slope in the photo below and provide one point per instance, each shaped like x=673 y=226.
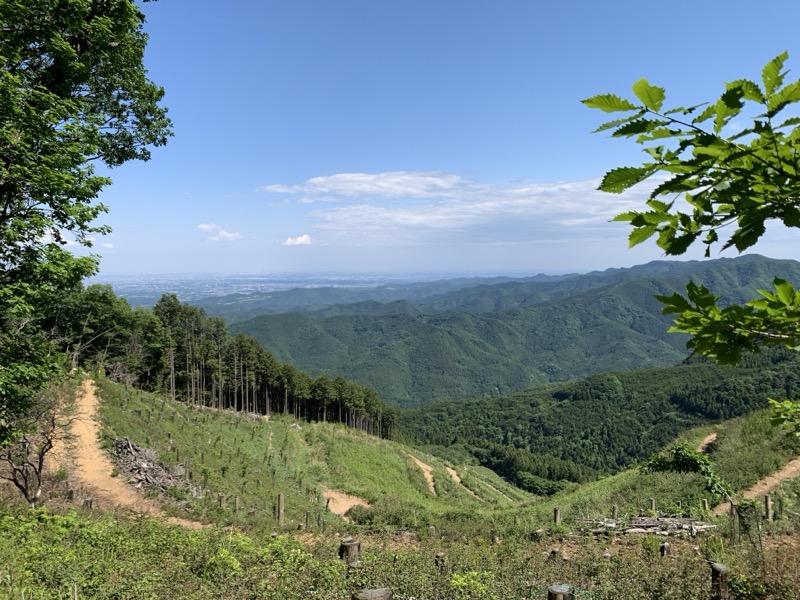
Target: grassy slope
x=47 y=555
x=256 y=459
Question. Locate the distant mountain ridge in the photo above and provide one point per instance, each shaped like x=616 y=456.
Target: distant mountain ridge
x=241 y=307
x=491 y=339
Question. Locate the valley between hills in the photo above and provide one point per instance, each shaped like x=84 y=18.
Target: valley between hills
x=250 y=489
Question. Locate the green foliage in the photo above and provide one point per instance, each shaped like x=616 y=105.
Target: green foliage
x=73 y=90
x=576 y=431
x=731 y=179
x=786 y=414
x=680 y=458
x=472 y=585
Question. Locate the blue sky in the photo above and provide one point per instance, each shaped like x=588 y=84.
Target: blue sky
x=441 y=136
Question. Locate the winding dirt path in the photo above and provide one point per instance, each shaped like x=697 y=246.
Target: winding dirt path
x=427 y=470
x=93 y=466
x=767 y=485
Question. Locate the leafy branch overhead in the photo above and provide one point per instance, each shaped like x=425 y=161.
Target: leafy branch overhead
x=716 y=182
x=728 y=177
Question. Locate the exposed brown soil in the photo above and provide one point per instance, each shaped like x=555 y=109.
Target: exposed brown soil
x=707 y=441
x=453 y=475
x=767 y=485
x=427 y=470
x=93 y=466
x=339 y=502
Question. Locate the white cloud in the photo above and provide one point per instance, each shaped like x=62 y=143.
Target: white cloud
x=459 y=208
x=300 y=240
x=107 y=245
x=437 y=218
x=217 y=233
x=392 y=184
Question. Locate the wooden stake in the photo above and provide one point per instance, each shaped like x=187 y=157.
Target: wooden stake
x=768 y=514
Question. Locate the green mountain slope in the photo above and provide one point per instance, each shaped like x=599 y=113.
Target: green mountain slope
x=509 y=336
x=241 y=307
x=603 y=423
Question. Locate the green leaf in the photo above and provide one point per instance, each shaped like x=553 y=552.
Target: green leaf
x=620 y=179
x=785 y=291
x=640 y=234
x=626 y=217
x=609 y=103
x=636 y=127
x=685 y=111
x=750 y=90
x=790 y=122
x=788 y=95
x=771 y=73
x=616 y=123
x=709 y=112
x=651 y=96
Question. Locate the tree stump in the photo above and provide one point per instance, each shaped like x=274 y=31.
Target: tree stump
x=562 y=591
x=440 y=560
x=768 y=513
x=719 y=582
x=349 y=550
x=665 y=549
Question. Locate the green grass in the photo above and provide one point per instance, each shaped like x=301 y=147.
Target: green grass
x=497 y=546
x=255 y=459
x=47 y=555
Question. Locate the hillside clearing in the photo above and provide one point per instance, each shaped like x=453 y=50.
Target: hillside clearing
x=339 y=502
x=427 y=470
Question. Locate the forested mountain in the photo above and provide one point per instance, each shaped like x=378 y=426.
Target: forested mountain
x=241 y=307
x=542 y=438
x=500 y=338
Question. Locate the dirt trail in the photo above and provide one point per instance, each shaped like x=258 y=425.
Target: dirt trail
x=427 y=470
x=767 y=485
x=453 y=475
x=707 y=441
x=93 y=466
x=339 y=502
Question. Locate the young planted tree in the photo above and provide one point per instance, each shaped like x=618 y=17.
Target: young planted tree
x=73 y=90
x=717 y=183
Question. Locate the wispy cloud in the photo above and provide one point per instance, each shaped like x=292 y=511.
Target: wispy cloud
x=425 y=207
x=217 y=233
x=392 y=184
x=300 y=240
